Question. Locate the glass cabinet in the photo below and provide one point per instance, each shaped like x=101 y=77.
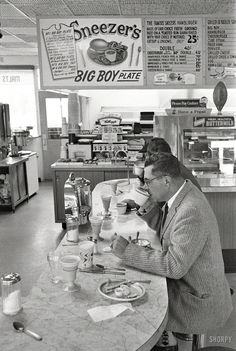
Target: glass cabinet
x=208 y=149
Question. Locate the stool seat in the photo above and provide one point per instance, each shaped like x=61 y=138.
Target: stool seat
x=216 y=348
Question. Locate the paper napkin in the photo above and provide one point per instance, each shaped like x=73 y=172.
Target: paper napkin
x=101 y=313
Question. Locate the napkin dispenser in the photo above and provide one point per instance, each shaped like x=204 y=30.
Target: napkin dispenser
x=77 y=198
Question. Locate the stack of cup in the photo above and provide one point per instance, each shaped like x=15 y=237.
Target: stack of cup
x=86 y=249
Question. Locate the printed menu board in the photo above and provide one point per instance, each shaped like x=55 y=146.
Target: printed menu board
x=91 y=52
x=221 y=50
x=173 y=51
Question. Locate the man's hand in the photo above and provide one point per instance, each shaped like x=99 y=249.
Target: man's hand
x=118 y=245
x=147 y=206
x=131 y=204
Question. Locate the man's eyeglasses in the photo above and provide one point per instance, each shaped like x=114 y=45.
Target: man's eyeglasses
x=148 y=181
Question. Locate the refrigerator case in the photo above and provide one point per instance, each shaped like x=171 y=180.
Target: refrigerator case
x=199 y=148
x=32 y=173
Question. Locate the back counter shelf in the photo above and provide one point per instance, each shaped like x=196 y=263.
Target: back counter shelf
x=13 y=184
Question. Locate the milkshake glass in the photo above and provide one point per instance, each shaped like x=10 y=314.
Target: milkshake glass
x=96 y=224
x=106 y=201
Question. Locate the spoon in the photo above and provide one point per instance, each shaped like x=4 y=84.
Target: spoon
x=19 y=327
x=139 y=50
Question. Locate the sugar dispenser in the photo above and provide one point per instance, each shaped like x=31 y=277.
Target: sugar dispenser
x=11 y=293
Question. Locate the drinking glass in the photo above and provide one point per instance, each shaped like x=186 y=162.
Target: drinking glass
x=53 y=261
x=69 y=265
x=106 y=201
x=96 y=224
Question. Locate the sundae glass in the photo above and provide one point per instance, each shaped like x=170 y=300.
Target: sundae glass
x=69 y=265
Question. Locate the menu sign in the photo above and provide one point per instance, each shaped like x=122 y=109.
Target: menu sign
x=61 y=51
x=173 y=51
x=91 y=52
x=221 y=50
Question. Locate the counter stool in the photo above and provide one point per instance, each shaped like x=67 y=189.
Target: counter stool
x=197 y=341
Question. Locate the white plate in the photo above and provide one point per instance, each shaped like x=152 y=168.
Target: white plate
x=135 y=288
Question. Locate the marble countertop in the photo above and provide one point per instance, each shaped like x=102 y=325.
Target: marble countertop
x=61 y=318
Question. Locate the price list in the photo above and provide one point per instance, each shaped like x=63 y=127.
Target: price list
x=221 y=50
x=173 y=51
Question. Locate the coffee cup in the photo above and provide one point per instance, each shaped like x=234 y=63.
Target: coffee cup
x=138 y=168
x=86 y=254
x=140 y=196
x=121 y=208
x=110 y=54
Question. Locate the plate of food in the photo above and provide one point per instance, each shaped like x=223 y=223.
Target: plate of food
x=122 y=291
x=107 y=53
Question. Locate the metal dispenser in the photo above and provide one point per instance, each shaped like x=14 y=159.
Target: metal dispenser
x=77 y=198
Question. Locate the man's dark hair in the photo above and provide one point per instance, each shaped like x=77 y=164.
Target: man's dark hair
x=164 y=163
x=158 y=145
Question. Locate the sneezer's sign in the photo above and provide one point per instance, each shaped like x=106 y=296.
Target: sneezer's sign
x=91 y=52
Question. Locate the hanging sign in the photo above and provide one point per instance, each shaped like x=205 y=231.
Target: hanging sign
x=221 y=50
x=214 y=122
x=173 y=51
x=91 y=52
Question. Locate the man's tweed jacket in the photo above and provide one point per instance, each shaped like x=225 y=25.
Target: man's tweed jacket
x=191 y=259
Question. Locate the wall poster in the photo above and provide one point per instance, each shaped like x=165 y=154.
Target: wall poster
x=91 y=52
x=173 y=51
x=221 y=50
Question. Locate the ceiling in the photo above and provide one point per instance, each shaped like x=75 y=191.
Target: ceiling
x=18 y=17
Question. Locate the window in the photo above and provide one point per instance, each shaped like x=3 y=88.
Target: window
x=17 y=88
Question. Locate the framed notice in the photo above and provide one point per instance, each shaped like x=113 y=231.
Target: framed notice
x=90 y=52
x=221 y=50
x=173 y=52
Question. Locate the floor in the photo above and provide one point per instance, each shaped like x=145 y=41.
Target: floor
x=28 y=234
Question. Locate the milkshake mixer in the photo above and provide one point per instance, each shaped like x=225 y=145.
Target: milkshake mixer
x=78 y=200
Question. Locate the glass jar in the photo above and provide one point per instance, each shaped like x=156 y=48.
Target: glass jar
x=72 y=229
x=11 y=293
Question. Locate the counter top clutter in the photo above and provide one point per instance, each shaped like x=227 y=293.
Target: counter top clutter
x=116 y=307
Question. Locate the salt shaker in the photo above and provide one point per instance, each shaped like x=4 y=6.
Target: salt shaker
x=11 y=293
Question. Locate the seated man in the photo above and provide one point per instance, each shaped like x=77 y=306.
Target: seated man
x=191 y=256
x=160 y=145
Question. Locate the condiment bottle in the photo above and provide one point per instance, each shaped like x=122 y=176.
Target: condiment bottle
x=72 y=228
x=11 y=293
